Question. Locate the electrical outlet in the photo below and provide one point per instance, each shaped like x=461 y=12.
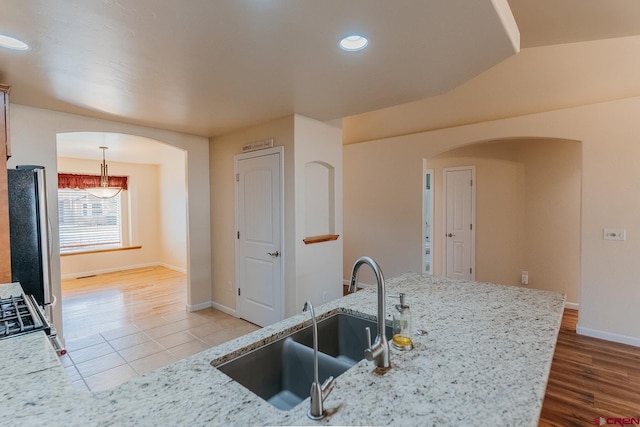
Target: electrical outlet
x=325 y=296
x=230 y=285
x=525 y=277
x=614 y=234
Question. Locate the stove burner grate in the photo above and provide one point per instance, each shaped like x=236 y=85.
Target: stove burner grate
x=16 y=317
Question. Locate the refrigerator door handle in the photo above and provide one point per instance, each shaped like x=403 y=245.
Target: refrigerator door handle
x=45 y=227
x=50 y=238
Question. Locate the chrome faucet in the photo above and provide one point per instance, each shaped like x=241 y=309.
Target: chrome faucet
x=318 y=392
x=379 y=351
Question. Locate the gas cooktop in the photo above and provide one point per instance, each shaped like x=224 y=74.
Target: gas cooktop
x=18 y=316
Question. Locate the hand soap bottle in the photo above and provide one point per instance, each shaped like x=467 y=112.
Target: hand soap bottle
x=402 y=326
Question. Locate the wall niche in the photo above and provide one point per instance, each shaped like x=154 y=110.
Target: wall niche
x=319 y=181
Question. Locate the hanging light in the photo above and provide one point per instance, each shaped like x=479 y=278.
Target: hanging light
x=104 y=191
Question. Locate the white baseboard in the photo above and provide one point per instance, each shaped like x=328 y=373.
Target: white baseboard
x=608 y=336
x=217 y=306
x=223 y=308
x=122 y=268
x=200 y=306
x=572 y=305
x=174 y=268
x=108 y=270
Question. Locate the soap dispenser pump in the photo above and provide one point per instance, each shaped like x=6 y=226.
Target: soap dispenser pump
x=402 y=326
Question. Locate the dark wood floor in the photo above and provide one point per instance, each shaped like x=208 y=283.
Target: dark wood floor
x=590 y=379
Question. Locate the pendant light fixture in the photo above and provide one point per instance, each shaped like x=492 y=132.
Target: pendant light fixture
x=104 y=191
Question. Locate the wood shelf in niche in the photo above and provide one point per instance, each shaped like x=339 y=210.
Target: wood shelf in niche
x=322 y=238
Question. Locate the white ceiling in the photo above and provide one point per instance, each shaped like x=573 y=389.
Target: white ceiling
x=210 y=66
x=121 y=148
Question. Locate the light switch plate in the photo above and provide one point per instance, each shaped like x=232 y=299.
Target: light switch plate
x=614 y=234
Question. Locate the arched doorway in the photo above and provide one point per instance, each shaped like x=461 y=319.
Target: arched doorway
x=151 y=217
x=528 y=198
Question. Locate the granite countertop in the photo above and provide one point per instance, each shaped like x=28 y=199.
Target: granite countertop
x=485 y=360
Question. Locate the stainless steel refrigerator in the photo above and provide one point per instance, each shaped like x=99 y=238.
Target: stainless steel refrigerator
x=29 y=231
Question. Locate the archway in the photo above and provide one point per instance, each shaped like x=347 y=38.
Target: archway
x=151 y=215
x=528 y=211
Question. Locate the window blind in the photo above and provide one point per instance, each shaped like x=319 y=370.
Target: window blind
x=87 y=222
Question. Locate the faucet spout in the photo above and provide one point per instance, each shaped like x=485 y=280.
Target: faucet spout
x=318 y=393
x=379 y=351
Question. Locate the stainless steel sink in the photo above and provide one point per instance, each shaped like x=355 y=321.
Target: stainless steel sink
x=281 y=372
x=341 y=336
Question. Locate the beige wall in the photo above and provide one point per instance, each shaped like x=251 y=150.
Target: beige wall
x=319 y=265
x=609 y=289
x=527 y=211
x=311 y=271
x=33 y=135
x=499 y=214
x=222 y=151
x=382 y=205
x=173 y=212
x=141 y=200
x=553 y=182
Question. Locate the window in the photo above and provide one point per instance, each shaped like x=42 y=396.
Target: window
x=87 y=222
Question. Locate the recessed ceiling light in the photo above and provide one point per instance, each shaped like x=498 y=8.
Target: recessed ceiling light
x=353 y=43
x=12 y=43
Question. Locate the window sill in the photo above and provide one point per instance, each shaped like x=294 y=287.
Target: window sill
x=98 y=251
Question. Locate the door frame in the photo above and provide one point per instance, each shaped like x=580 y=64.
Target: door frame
x=473 y=217
x=250 y=155
x=425 y=171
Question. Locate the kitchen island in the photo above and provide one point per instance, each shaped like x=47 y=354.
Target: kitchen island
x=485 y=360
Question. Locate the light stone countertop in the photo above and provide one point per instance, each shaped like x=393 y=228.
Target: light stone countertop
x=485 y=361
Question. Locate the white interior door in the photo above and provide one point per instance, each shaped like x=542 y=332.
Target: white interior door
x=259 y=225
x=459 y=223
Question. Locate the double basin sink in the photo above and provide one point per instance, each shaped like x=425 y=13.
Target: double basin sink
x=281 y=372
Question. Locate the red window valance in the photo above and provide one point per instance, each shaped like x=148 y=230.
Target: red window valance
x=83 y=181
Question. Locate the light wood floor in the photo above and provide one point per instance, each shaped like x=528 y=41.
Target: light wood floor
x=109 y=301
x=590 y=379
x=125 y=324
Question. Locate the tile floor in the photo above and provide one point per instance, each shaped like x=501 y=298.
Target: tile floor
x=106 y=359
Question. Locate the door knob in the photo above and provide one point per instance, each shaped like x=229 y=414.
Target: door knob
x=275 y=254
x=450 y=235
